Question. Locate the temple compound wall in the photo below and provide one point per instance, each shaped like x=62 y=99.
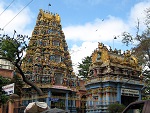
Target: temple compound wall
x=113 y=77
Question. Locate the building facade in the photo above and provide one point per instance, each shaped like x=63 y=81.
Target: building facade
x=5 y=64
x=113 y=77
x=81 y=98
x=6 y=71
x=48 y=64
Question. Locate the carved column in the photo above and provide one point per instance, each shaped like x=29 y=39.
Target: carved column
x=48 y=101
x=119 y=93
x=66 y=102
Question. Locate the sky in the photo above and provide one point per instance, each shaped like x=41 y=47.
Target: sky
x=84 y=22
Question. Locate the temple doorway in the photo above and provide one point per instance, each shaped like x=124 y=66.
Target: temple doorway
x=83 y=104
x=126 y=100
x=57 y=100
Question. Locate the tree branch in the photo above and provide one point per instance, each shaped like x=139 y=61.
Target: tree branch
x=29 y=82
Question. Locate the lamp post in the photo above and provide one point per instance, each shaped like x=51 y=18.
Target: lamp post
x=113 y=41
x=49 y=6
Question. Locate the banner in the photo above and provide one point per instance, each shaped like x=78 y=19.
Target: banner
x=9 y=89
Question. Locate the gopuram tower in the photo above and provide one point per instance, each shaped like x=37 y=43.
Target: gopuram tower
x=48 y=63
x=113 y=77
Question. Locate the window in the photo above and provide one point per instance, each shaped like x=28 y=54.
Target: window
x=49 y=31
x=55 y=43
x=58 y=78
x=45 y=79
x=37 y=78
x=98 y=56
x=58 y=32
x=66 y=48
x=56 y=58
x=54 y=23
x=35 y=32
x=52 y=57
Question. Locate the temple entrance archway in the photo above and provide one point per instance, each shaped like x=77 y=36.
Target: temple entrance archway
x=126 y=100
x=83 y=104
x=57 y=101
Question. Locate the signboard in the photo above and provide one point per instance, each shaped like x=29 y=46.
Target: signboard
x=129 y=91
x=53 y=99
x=9 y=89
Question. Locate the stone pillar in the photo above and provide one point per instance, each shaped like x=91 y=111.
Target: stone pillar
x=1 y=108
x=48 y=99
x=26 y=102
x=104 y=98
x=108 y=97
x=73 y=103
x=140 y=96
x=10 y=107
x=119 y=93
x=66 y=102
x=113 y=97
x=100 y=98
x=95 y=72
x=36 y=97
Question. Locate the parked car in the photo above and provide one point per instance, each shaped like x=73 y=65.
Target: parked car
x=142 y=106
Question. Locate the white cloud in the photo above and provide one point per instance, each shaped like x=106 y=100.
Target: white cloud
x=138 y=13
x=110 y=27
x=102 y=31
x=19 y=23
x=96 y=31
x=80 y=52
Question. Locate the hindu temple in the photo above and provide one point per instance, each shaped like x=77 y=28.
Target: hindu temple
x=113 y=77
x=48 y=64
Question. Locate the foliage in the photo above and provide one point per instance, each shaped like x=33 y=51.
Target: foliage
x=12 y=49
x=115 y=108
x=141 y=41
x=141 y=47
x=84 y=67
x=3 y=98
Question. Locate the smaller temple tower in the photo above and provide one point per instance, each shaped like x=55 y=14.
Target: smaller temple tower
x=113 y=77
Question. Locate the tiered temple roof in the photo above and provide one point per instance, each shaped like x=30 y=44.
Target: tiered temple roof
x=47 y=59
x=103 y=57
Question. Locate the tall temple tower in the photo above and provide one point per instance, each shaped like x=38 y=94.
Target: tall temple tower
x=48 y=63
x=113 y=77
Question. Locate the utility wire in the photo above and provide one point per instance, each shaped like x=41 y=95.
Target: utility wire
x=17 y=14
x=7 y=7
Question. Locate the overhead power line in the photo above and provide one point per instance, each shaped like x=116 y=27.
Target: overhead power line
x=7 y=7
x=17 y=14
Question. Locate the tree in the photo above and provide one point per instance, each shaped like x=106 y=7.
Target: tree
x=84 y=67
x=18 y=84
x=141 y=48
x=3 y=97
x=12 y=49
x=115 y=108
